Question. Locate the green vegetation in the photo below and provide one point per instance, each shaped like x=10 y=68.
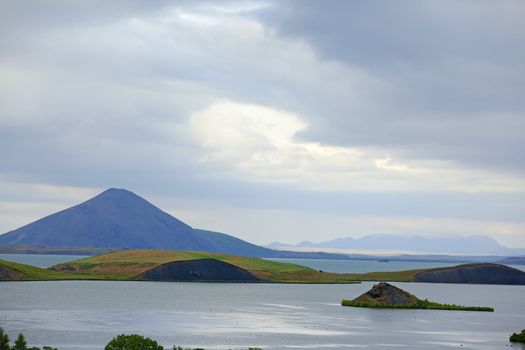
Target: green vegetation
x=132 y=342
x=120 y=342
x=419 y=304
x=11 y=271
x=20 y=343
x=138 y=342
x=518 y=337
x=126 y=265
x=129 y=264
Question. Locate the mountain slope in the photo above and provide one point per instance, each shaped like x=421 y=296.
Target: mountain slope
x=118 y=218
x=114 y=218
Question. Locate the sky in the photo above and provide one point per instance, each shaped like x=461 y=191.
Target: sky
x=270 y=120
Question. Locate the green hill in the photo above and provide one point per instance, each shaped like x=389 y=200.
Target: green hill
x=132 y=263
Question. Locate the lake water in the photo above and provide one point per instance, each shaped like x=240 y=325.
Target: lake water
x=87 y=314
x=40 y=260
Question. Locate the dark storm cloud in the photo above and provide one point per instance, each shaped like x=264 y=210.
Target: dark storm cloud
x=453 y=72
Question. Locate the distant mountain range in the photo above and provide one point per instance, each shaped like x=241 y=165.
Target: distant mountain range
x=120 y=219
x=475 y=244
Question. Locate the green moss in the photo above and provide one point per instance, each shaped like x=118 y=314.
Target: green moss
x=419 y=304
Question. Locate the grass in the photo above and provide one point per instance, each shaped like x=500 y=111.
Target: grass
x=419 y=304
x=128 y=264
x=398 y=276
x=11 y=271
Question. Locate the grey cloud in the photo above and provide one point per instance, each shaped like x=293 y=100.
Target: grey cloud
x=85 y=106
x=458 y=64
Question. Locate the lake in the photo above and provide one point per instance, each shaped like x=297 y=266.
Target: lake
x=87 y=314
x=40 y=260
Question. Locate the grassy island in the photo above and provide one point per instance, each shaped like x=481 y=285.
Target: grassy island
x=387 y=296
x=419 y=304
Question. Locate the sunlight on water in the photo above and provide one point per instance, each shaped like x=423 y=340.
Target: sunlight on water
x=86 y=314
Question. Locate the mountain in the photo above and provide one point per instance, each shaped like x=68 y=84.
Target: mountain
x=118 y=218
x=475 y=244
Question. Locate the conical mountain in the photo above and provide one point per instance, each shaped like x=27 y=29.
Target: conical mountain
x=114 y=218
x=118 y=218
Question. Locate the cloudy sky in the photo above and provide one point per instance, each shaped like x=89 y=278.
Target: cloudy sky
x=271 y=121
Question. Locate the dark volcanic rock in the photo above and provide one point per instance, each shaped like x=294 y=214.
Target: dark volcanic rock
x=205 y=270
x=473 y=273
x=386 y=294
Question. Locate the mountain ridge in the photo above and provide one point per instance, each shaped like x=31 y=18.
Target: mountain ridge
x=451 y=244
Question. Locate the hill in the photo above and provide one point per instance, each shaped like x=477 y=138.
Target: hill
x=120 y=219
x=132 y=264
x=473 y=273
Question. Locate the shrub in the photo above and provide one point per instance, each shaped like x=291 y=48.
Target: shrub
x=132 y=342
x=518 y=337
x=20 y=343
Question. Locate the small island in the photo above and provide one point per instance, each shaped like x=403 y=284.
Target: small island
x=386 y=296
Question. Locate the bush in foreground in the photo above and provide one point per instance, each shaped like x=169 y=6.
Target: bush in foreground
x=518 y=337
x=120 y=342
x=132 y=342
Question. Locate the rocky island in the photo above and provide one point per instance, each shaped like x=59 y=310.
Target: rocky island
x=386 y=296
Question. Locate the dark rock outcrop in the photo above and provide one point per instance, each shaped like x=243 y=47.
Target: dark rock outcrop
x=473 y=274
x=204 y=270
x=386 y=294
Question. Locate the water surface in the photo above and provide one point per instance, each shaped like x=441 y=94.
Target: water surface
x=40 y=260
x=87 y=314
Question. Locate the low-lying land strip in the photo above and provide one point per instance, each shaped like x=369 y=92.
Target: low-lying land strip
x=166 y=265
